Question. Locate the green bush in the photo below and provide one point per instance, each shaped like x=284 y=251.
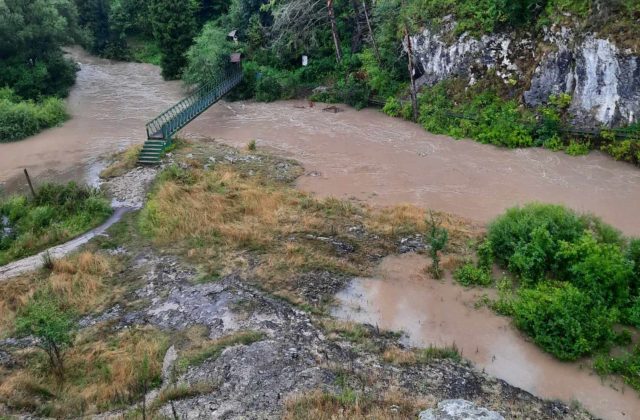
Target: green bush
x=56 y=214
x=268 y=89
x=527 y=239
x=20 y=119
x=576 y=148
x=392 y=107
x=470 y=275
x=42 y=318
x=563 y=320
x=602 y=271
x=627 y=366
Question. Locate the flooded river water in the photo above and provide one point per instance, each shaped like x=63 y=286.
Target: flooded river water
x=441 y=313
x=367 y=156
x=109 y=105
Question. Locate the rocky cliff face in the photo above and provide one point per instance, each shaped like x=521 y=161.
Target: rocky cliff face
x=603 y=80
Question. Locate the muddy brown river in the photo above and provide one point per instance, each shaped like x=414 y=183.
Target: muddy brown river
x=380 y=160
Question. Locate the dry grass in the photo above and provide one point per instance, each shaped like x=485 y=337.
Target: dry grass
x=122 y=162
x=218 y=214
x=76 y=282
x=228 y=220
x=14 y=294
x=182 y=392
x=199 y=349
x=402 y=357
x=319 y=405
x=100 y=374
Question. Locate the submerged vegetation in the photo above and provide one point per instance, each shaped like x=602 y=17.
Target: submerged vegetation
x=577 y=279
x=57 y=213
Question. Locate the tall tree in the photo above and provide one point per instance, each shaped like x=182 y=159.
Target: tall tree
x=334 y=30
x=32 y=33
x=174 y=27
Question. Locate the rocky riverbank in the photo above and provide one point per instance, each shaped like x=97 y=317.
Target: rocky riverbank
x=248 y=338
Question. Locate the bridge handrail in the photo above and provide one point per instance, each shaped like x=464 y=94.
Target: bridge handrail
x=232 y=74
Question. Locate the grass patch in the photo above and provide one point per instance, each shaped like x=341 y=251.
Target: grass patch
x=246 y=216
x=212 y=349
x=470 y=275
x=122 y=162
x=79 y=283
x=57 y=214
x=322 y=405
x=400 y=357
x=102 y=373
x=181 y=392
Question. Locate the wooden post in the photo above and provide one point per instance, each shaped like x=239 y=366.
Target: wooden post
x=33 y=192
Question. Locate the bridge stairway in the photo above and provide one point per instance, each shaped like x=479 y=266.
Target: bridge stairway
x=162 y=128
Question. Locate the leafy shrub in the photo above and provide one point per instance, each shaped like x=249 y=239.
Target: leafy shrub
x=268 y=89
x=576 y=148
x=563 y=320
x=553 y=143
x=527 y=239
x=42 y=318
x=355 y=92
x=26 y=118
x=601 y=270
x=627 y=365
x=485 y=255
x=469 y=275
x=437 y=237
x=392 y=107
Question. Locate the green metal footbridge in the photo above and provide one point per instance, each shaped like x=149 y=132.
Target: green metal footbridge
x=161 y=129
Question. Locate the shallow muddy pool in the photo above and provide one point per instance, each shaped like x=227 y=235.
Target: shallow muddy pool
x=441 y=313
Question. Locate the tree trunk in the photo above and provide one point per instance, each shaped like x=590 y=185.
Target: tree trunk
x=414 y=94
x=334 y=30
x=373 y=39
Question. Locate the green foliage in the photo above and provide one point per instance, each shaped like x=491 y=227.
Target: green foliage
x=208 y=56
x=20 y=119
x=268 y=88
x=483 y=116
x=392 y=107
x=58 y=213
x=174 y=27
x=627 y=366
x=576 y=148
x=563 y=320
x=527 y=239
x=42 y=318
x=31 y=36
x=470 y=275
x=578 y=277
x=485 y=255
x=602 y=271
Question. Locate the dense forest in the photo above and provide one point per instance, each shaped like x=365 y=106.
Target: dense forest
x=357 y=50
